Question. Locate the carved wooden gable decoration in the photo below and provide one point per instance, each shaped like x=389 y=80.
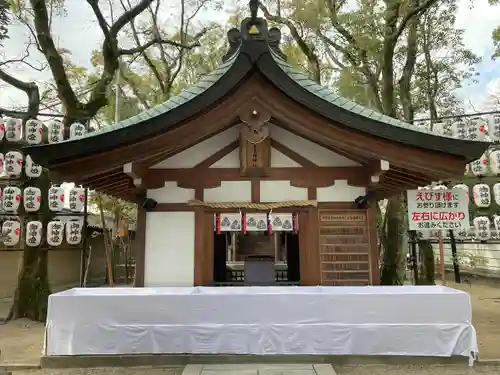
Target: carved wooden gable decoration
x=255 y=142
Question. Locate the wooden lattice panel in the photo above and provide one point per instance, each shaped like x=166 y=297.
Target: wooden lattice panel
x=344 y=247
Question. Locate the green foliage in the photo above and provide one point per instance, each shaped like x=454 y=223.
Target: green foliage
x=4 y=20
x=469 y=259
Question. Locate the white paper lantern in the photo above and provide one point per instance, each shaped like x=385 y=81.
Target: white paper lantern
x=460 y=234
x=440 y=187
x=76 y=131
x=31 y=169
x=56 y=198
x=482 y=228
x=477 y=129
x=459 y=129
x=496 y=193
x=482 y=195
x=12 y=230
x=496 y=222
x=2 y=128
x=494 y=161
x=56 y=131
x=13 y=163
x=77 y=200
x=34 y=233
x=11 y=198
x=463 y=187
x=55 y=233
x=479 y=167
x=33 y=132
x=281 y=222
x=74 y=232
x=494 y=127
x=256 y=222
x=32 y=197
x=439 y=128
x=13 y=129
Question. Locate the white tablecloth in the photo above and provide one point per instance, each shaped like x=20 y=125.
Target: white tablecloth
x=404 y=320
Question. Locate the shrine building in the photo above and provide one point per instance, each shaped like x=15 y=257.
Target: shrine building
x=256 y=174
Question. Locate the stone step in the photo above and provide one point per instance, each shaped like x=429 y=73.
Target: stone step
x=259 y=369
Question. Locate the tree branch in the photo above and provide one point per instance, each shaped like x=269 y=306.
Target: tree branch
x=312 y=59
x=140 y=49
x=30 y=89
x=412 y=12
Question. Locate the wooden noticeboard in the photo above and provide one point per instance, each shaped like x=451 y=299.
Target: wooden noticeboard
x=344 y=245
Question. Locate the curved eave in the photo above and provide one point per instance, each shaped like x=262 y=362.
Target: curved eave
x=53 y=154
x=469 y=150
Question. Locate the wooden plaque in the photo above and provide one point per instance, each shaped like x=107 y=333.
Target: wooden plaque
x=344 y=247
x=255 y=158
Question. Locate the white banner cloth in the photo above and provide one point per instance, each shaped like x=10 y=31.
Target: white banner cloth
x=402 y=320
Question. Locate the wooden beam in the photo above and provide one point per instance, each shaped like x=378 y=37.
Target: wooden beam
x=299 y=177
x=134 y=170
x=214 y=158
x=377 y=173
x=299 y=159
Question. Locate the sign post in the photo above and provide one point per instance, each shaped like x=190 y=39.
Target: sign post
x=438 y=210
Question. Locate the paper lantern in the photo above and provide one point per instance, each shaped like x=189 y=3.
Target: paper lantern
x=76 y=131
x=31 y=169
x=56 y=131
x=55 y=233
x=13 y=129
x=12 y=230
x=256 y=222
x=34 y=233
x=463 y=187
x=494 y=161
x=476 y=130
x=11 y=198
x=482 y=195
x=33 y=132
x=440 y=187
x=439 y=128
x=494 y=127
x=13 y=163
x=496 y=193
x=479 y=167
x=32 y=197
x=2 y=128
x=496 y=222
x=459 y=130
x=460 y=234
x=74 y=232
x=76 y=199
x=482 y=228
x=56 y=198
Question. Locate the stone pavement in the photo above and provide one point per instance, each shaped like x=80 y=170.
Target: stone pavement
x=260 y=369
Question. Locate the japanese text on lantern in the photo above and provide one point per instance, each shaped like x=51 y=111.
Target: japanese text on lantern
x=438 y=209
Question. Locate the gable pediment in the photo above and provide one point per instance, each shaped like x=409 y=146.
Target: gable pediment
x=305 y=150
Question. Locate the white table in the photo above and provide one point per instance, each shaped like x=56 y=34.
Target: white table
x=403 y=320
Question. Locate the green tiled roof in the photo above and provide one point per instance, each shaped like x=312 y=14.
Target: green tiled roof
x=185 y=95
x=329 y=96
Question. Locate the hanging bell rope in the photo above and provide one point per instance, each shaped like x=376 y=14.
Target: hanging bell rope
x=255 y=206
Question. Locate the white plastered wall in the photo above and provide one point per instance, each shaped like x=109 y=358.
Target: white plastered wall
x=169 y=246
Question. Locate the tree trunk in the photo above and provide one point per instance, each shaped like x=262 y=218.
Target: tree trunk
x=33 y=290
x=393 y=267
x=427 y=267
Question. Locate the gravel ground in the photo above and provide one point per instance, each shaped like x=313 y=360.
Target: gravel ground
x=103 y=371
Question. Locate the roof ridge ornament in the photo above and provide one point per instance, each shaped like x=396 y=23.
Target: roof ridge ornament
x=254 y=7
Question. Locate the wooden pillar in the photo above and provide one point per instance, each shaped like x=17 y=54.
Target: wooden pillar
x=140 y=246
x=309 y=247
x=203 y=247
x=372 y=237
